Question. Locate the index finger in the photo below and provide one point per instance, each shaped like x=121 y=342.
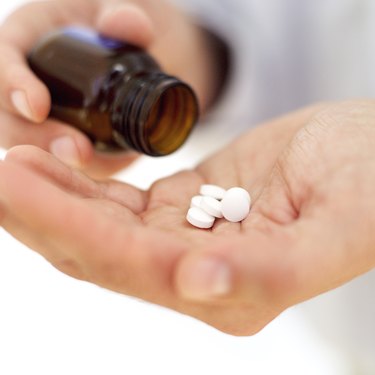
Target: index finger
x=20 y=90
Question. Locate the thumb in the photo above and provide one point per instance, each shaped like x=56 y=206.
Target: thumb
x=126 y=22
x=251 y=267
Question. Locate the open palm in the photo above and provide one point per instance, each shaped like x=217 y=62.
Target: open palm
x=296 y=242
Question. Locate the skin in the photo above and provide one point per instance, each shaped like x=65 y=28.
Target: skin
x=310 y=174
x=169 y=35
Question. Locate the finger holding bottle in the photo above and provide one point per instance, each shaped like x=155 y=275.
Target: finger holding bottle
x=20 y=90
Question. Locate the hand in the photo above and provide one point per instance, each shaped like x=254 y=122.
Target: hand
x=311 y=175
x=176 y=43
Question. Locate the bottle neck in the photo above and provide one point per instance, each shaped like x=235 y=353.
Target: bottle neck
x=153 y=113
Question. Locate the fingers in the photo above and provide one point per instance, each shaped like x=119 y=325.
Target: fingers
x=86 y=235
x=31 y=21
x=126 y=22
x=65 y=142
x=73 y=181
x=20 y=91
x=22 y=193
x=23 y=94
x=69 y=144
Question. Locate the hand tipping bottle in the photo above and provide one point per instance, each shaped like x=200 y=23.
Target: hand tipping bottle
x=114 y=92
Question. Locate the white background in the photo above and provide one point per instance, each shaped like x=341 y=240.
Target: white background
x=52 y=324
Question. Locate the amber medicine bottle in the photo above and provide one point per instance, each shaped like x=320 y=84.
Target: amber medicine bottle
x=114 y=92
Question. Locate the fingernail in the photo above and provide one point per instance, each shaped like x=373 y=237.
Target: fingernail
x=20 y=103
x=66 y=150
x=205 y=278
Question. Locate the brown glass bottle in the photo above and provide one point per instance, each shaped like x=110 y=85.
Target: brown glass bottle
x=114 y=92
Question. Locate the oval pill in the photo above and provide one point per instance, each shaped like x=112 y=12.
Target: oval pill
x=200 y=219
x=196 y=201
x=212 y=206
x=236 y=204
x=213 y=191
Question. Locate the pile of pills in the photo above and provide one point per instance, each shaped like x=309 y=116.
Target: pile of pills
x=216 y=202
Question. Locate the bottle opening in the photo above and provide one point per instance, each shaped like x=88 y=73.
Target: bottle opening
x=154 y=114
x=170 y=119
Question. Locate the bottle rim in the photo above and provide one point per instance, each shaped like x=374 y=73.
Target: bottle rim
x=157 y=113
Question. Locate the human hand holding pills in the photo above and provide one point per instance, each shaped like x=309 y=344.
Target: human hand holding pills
x=307 y=173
